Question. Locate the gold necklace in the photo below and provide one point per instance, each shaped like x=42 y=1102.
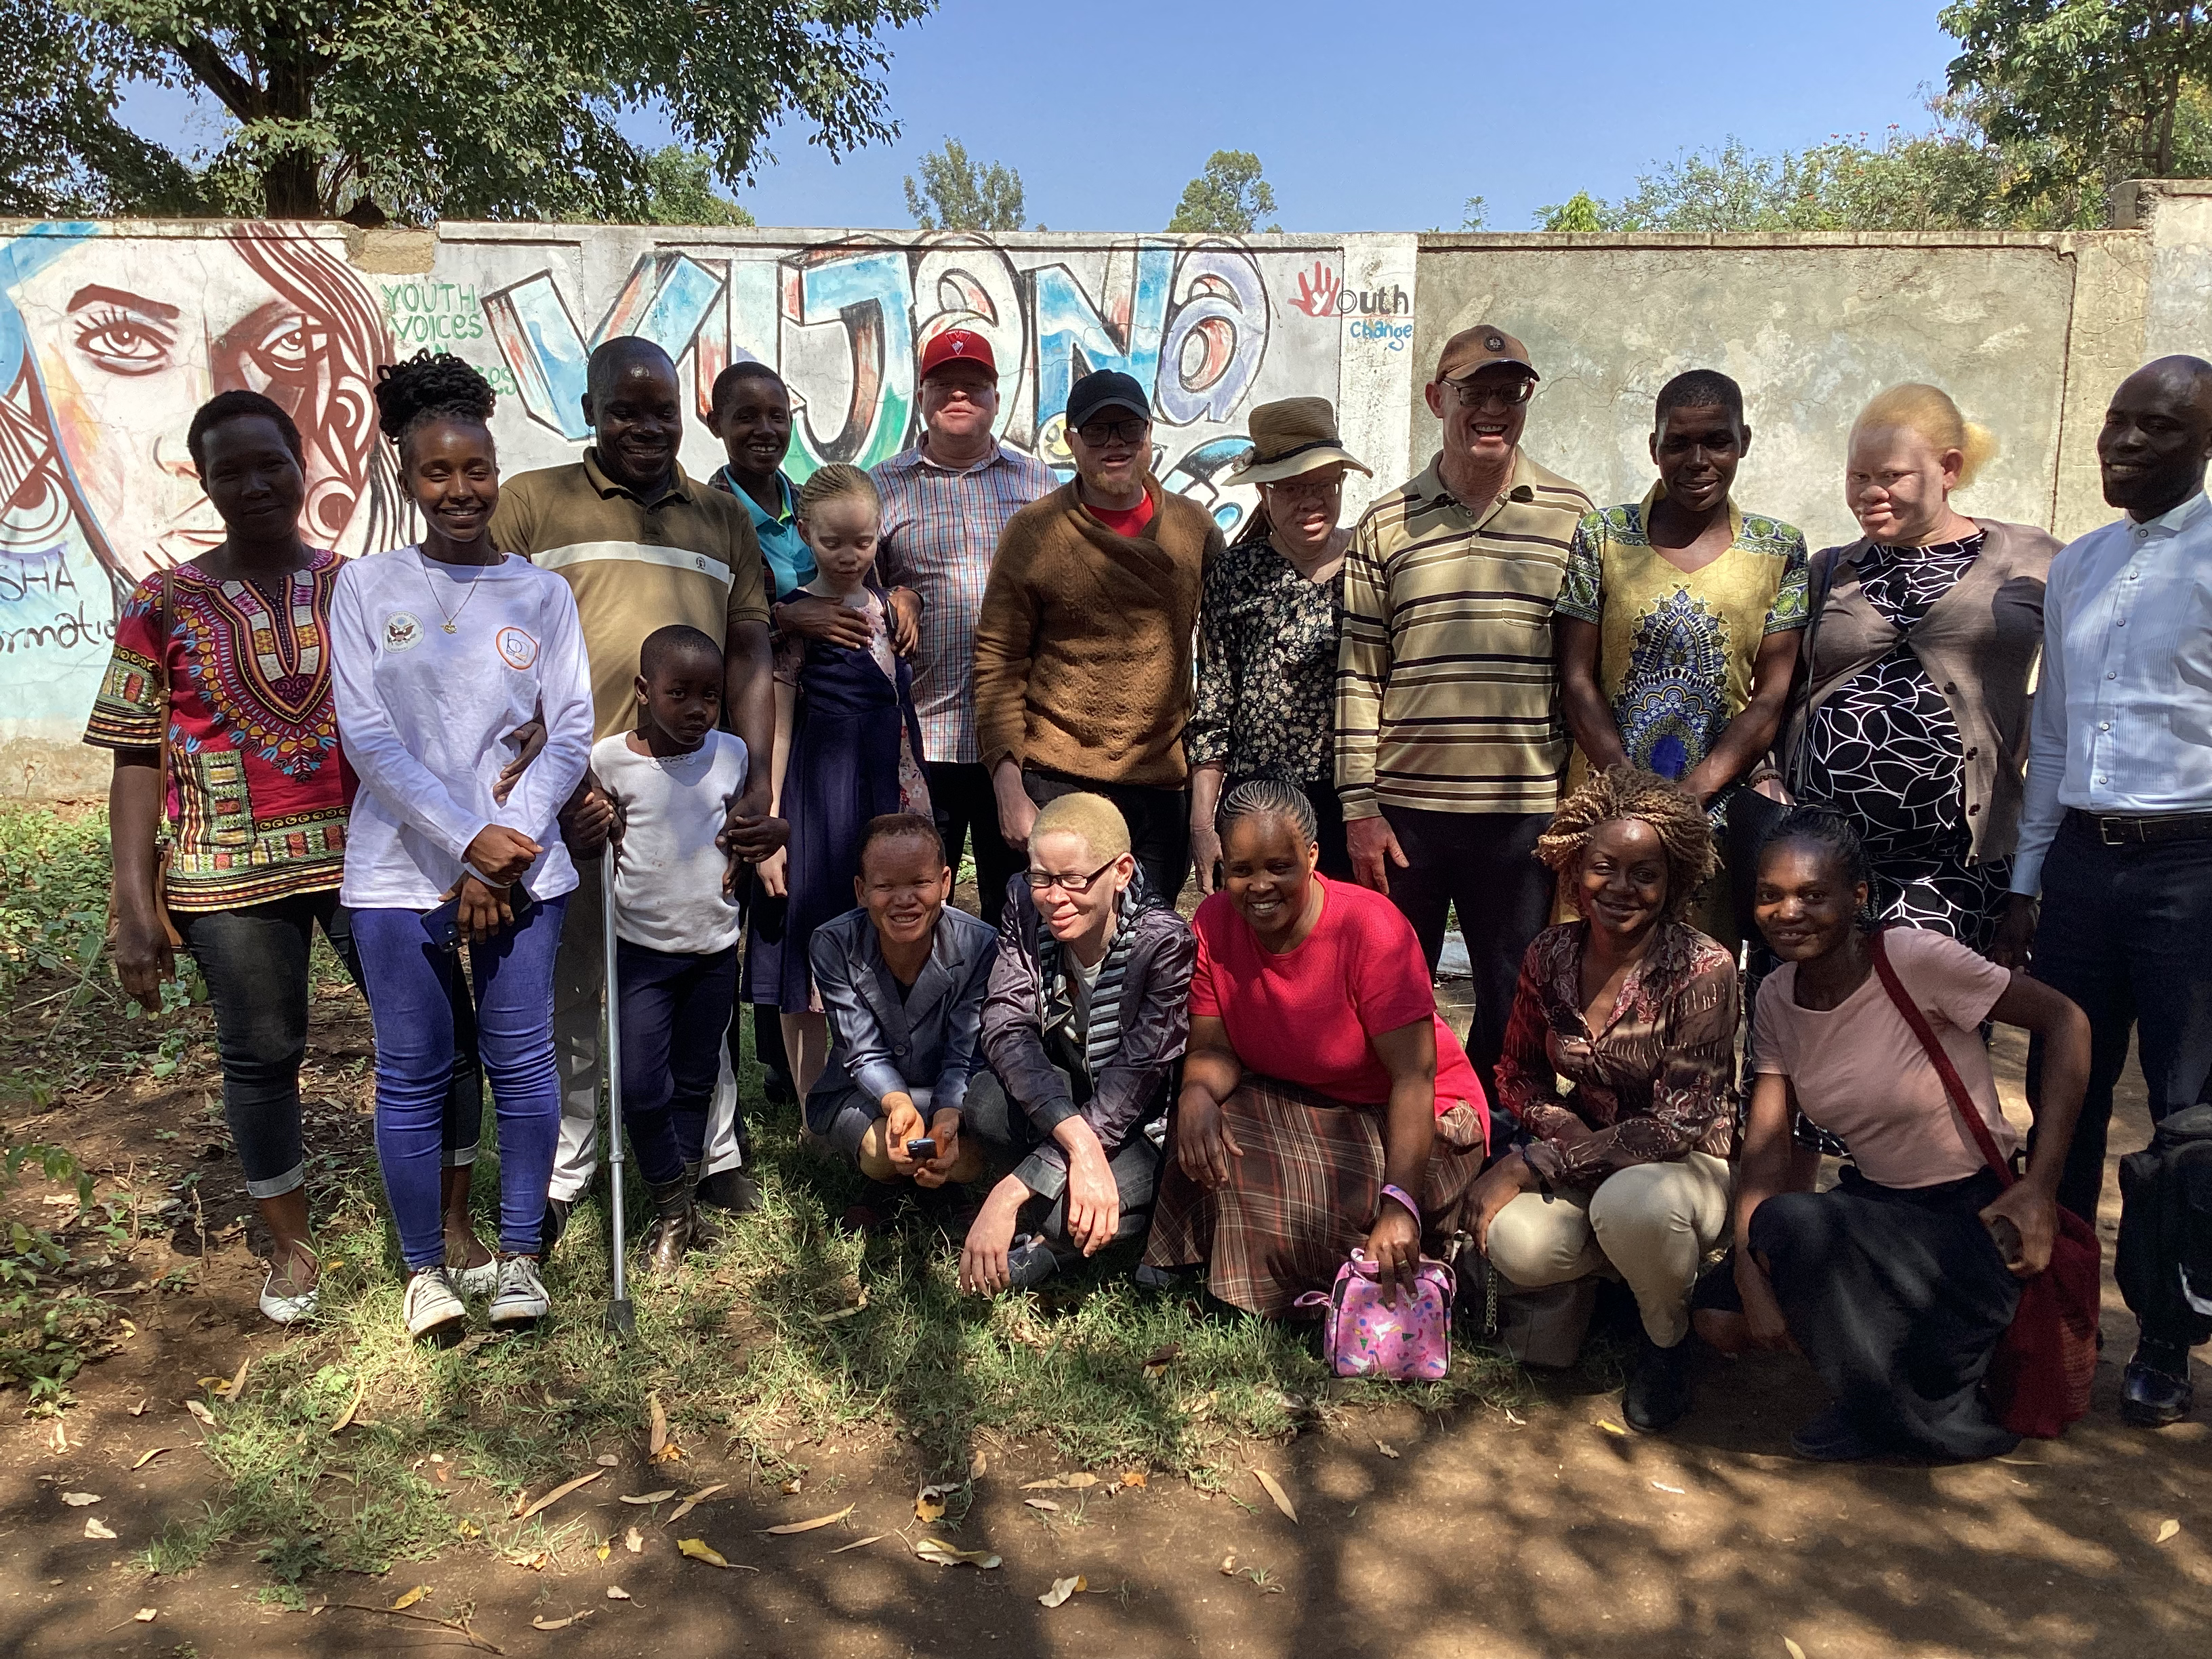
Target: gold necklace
x=449 y=623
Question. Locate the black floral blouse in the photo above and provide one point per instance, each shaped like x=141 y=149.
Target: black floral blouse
x=1266 y=669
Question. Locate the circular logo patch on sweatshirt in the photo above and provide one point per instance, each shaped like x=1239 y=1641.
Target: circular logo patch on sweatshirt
x=402 y=632
x=516 y=648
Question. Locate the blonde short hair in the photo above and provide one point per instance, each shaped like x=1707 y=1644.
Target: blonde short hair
x=1929 y=411
x=1093 y=818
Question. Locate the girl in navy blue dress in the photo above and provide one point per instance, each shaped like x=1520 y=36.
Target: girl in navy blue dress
x=848 y=747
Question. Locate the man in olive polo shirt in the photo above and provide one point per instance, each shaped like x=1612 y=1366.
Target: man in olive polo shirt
x=642 y=546
x=1450 y=745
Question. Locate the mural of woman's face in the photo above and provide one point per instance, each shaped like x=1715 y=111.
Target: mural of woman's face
x=127 y=352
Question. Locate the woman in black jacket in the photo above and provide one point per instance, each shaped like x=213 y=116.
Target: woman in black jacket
x=1085 y=1025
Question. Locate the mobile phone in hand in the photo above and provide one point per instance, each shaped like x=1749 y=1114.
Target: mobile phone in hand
x=443 y=924
x=922 y=1148
x=2008 y=1239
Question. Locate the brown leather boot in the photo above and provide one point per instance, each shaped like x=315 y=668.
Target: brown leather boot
x=705 y=1235
x=674 y=1218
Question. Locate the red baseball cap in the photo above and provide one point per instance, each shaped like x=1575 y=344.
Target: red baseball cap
x=957 y=345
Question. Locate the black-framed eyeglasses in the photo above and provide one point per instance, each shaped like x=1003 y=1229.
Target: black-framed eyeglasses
x=1073 y=886
x=1480 y=394
x=1096 y=433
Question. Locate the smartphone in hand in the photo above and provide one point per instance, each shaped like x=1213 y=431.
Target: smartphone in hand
x=922 y=1148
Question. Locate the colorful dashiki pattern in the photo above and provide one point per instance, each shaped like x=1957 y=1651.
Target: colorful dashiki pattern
x=257 y=788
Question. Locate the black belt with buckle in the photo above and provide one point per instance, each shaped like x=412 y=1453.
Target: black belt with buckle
x=2124 y=831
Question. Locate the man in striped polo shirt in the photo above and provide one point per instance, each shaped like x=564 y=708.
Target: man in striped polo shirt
x=1449 y=747
x=642 y=546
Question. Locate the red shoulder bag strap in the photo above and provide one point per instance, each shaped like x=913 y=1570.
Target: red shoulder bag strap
x=1962 y=1103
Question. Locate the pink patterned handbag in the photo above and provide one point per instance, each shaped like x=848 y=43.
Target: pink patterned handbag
x=1367 y=1333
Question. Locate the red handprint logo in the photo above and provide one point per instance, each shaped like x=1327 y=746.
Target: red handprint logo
x=1317 y=291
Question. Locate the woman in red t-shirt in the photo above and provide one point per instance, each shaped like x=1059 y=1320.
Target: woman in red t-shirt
x=1324 y=1106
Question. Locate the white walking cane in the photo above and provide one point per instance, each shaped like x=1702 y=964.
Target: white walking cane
x=622 y=1318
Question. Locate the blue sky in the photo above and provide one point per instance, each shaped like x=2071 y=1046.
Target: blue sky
x=1365 y=116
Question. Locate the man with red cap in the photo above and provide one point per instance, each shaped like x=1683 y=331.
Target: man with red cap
x=945 y=501
x=1450 y=745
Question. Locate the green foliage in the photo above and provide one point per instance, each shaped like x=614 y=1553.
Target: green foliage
x=957 y=194
x=2083 y=93
x=456 y=108
x=62 y=151
x=49 y=1327
x=1229 y=198
x=1580 y=211
x=680 y=190
x=1475 y=215
x=53 y=895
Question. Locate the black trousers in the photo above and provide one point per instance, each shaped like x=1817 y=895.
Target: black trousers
x=2126 y=932
x=1484 y=866
x=999 y=1121
x=962 y=801
x=1898 y=1297
x=1159 y=820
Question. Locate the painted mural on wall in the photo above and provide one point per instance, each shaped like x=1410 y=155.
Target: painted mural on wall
x=108 y=343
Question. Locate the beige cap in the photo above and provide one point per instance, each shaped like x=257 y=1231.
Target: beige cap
x=1477 y=348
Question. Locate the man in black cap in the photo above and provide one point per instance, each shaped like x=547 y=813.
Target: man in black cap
x=1083 y=649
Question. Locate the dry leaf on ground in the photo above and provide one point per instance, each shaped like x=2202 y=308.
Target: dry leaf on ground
x=1274 y=1490
x=928 y=1509
x=146 y=1457
x=608 y=1460
x=360 y=1392
x=560 y=1492
x=860 y=1543
x=146 y=1615
x=138 y=1409
x=1061 y=1483
x=1660 y=1485
x=937 y=1550
x=977 y=1464
x=1135 y=1478
x=606 y=1548
x=77 y=1500
x=236 y=1385
x=790 y=1488
x=1061 y=1590
x=536 y=1562
x=657 y=1421
x=95 y=1528
x=1610 y=1426
x=699 y=1550
x=818 y=1522
x=1044 y=1503
x=201 y=1415
x=1386 y=1449
x=633 y=1541
x=408 y=1599
x=617 y=1593
x=538 y=1623
x=1229 y=1566
x=2165 y=1529
x=1796 y=1652
x=692 y=1500
x=645 y=1498
x=467 y=1529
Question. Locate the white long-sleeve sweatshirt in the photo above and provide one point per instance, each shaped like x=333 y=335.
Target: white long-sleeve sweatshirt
x=423 y=714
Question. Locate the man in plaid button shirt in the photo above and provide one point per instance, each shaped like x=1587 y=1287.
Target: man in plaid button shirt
x=945 y=503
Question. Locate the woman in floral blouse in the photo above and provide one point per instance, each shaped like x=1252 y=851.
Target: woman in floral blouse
x=1627 y=1173
x=1267 y=629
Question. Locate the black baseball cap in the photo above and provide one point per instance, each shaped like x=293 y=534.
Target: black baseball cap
x=1106 y=388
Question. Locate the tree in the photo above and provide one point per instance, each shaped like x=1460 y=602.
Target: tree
x=496 y=109
x=2086 y=93
x=1227 y=199
x=958 y=194
x=680 y=190
x=1476 y=213
x=62 y=151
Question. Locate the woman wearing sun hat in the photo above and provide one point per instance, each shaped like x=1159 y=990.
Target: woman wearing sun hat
x=1268 y=632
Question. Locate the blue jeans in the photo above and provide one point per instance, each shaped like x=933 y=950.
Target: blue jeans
x=412 y=983
x=675 y=1010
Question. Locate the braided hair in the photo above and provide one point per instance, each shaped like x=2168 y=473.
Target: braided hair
x=1267 y=798
x=834 y=482
x=1832 y=833
x=1629 y=792
x=429 y=387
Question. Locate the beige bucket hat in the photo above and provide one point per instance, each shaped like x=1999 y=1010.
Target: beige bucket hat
x=1291 y=437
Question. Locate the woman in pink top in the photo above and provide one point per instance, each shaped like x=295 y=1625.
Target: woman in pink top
x=1899 y=1282
x=1324 y=1106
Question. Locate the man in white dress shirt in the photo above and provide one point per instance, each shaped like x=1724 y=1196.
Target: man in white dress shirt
x=2116 y=834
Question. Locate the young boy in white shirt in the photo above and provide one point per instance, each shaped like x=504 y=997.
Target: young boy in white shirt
x=676 y=919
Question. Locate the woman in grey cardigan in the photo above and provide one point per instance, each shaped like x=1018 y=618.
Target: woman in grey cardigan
x=1912 y=715
x=1083 y=1025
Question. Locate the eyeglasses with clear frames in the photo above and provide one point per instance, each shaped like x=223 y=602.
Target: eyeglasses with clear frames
x=1073 y=886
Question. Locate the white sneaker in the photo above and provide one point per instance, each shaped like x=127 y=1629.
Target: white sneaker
x=520 y=1298
x=282 y=1309
x=431 y=1305
x=480 y=1281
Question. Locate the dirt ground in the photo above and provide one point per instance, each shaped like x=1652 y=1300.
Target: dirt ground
x=1538 y=1531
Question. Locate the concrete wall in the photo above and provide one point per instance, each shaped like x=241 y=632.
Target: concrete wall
x=110 y=335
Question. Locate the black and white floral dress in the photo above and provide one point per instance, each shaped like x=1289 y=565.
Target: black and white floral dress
x=1884 y=749
x=1266 y=669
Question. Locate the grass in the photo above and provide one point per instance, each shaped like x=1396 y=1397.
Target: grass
x=787 y=1331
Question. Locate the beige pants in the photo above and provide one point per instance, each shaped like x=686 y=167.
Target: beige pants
x=1651 y=1223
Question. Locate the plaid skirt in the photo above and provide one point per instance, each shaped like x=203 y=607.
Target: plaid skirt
x=1304 y=1195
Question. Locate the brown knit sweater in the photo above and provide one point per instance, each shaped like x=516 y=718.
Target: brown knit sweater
x=1083 y=649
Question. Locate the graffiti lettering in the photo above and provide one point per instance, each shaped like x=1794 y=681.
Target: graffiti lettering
x=433 y=314
x=1392 y=336
x=70 y=630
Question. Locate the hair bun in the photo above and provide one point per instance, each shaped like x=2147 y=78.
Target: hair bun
x=430 y=386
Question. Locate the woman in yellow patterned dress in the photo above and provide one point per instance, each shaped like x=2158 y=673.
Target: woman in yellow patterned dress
x=1678 y=616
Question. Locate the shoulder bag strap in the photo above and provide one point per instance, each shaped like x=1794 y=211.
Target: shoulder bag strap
x=1821 y=581
x=1962 y=1103
x=168 y=685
